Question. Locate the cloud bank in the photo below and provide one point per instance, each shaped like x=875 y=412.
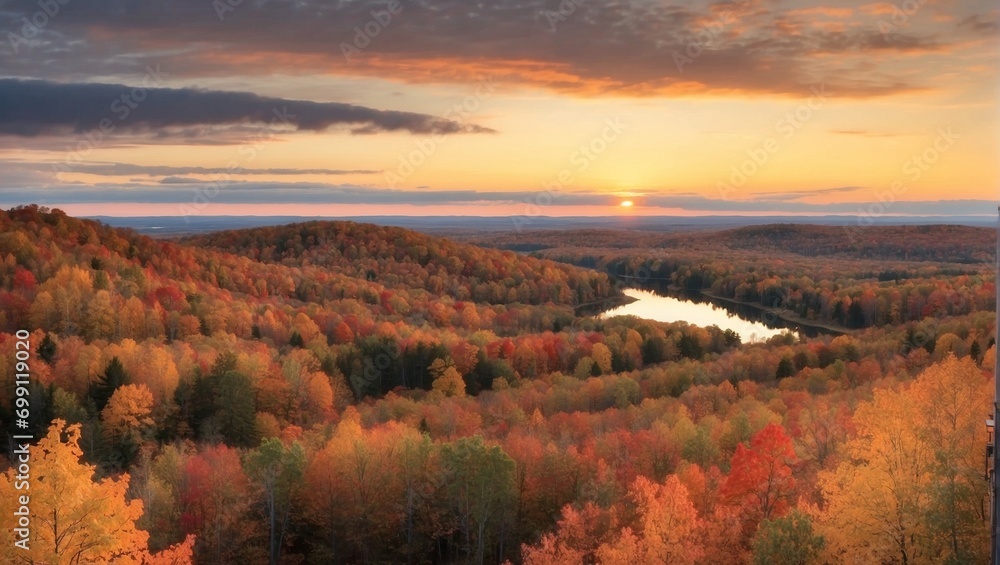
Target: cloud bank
x=632 y=47
x=32 y=108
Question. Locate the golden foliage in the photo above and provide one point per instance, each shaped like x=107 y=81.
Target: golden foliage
x=75 y=519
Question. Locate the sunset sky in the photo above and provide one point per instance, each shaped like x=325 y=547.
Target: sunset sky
x=354 y=108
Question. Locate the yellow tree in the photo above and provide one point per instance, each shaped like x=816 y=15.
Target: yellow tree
x=43 y=312
x=602 y=356
x=874 y=506
x=101 y=320
x=990 y=359
x=666 y=531
x=949 y=344
x=155 y=368
x=316 y=396
x=132 y=319
x=74 y=519
x=307 y=329
x=127 y=414
x=633 y=348
x=450 y=383
x=913 y=491
x=949 y=402
x=71 y=289
x=439 y=366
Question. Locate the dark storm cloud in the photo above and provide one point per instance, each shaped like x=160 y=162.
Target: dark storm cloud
x=593 y=47
x=33 y=107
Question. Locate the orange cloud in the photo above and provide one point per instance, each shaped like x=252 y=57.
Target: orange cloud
x=831 y=27
x=823 y=11
x=878 y=9
x=656 y=50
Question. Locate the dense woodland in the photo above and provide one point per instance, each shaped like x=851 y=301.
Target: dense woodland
x=849 y=277
x=333 y=392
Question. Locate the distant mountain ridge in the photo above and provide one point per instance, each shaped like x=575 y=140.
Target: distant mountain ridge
x=168 y=225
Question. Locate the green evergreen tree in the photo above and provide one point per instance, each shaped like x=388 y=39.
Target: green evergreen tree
x=113 y=378
x=47 y=349
x=786 y=368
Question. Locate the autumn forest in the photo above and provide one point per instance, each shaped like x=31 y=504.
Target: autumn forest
x=340 y=392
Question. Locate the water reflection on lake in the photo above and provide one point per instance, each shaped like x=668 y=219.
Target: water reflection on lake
x=652 y=306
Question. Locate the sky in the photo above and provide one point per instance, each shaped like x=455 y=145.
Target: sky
x=509 y=107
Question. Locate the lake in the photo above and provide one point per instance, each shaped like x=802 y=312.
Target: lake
x=750 y=323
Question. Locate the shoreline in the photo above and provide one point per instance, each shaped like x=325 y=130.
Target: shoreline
x=789 y=320
x=606 y=304
x=786 y=315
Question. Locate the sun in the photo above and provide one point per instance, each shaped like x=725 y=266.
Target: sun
x=626 y=204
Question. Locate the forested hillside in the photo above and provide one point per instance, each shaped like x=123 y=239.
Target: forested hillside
x=347 y=393
x=938 y=243
x=850 y=277
x=404 y=259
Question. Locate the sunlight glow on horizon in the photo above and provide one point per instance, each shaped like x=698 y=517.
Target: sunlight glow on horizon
x=818 y=128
